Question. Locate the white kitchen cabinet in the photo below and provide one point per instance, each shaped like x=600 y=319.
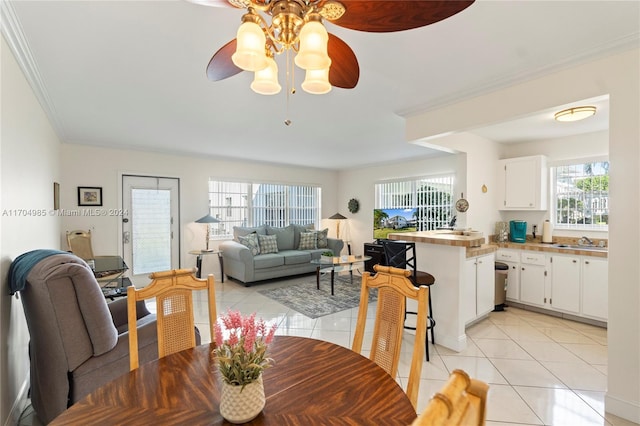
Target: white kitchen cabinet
x=565 y=283
x=511 y=258
x=522 y=183
x=533 y=275
x=478 y=287
x=595 y=298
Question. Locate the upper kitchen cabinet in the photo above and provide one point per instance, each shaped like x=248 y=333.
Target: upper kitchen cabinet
x=522 y=182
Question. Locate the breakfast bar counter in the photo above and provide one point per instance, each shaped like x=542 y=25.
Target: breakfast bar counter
x=443 y=237
x=463 y=266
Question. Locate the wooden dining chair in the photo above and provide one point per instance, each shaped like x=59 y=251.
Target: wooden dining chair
x=394 y=287
x=462 y=401
x=173 y=291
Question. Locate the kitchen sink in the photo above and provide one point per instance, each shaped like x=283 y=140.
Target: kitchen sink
x=579 y=247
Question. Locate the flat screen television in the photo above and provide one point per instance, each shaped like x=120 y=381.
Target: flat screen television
x=386 y=221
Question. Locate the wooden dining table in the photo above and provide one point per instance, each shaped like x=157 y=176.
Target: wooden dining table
x=312 y=382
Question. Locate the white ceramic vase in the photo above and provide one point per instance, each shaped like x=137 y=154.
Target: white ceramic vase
x=238 y=405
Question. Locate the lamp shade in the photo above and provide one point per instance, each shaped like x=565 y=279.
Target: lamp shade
x=313 y=47
x=207 y=219
x=337 y=216
x=250 y=50
x=265 y=81
x=316 y=82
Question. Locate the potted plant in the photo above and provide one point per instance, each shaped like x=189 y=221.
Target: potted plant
x=328 y=255
x=241 y=354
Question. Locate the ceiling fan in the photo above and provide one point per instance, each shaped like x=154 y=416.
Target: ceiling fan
x=296 y=25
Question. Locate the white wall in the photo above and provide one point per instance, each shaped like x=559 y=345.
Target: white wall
x=617 y=76
x=84 y=165
x=30 y=158
x=476 y=168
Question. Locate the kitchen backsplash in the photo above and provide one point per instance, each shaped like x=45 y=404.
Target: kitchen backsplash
x=557 y=240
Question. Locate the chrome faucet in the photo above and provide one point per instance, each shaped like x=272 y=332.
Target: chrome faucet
x=587 y=240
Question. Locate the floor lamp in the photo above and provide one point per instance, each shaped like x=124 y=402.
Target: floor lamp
x=207 y=220
x=337 y=217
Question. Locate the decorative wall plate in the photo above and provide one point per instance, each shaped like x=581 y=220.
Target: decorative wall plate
x=462 y=205
x=353 y=205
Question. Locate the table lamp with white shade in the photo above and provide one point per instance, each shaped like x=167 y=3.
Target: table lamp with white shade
x=208 y=220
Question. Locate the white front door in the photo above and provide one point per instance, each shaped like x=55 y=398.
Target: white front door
x=150 y=227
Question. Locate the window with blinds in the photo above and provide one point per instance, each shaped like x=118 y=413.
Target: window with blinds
x=581 y=195
x=254 y=204
x=431 y=196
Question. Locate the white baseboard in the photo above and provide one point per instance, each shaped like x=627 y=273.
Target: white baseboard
x=625 y=409
x=19 y=404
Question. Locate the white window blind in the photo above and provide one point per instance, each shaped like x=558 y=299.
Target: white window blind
x=432 y=197
x=254 y=204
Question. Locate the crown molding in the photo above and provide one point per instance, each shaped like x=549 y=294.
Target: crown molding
x=14 y=36
x=623 y=44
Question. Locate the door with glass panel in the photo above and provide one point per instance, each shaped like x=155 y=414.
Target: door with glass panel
x=150 y=227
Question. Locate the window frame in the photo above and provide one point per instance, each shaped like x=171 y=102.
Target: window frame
x=554 y=194
x=415 y=182
x=250 y=210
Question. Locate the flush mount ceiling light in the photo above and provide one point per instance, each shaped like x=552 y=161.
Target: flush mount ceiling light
x=575 y=114
x=272 y=27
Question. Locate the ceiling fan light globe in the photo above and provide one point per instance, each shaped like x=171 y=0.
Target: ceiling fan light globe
x=250 y=51
x=312 y=54
x=265 y=82
x=316 y=82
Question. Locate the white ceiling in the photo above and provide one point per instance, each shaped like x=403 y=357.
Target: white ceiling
x=131 y=74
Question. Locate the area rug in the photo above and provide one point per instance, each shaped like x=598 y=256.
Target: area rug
x=313 y=303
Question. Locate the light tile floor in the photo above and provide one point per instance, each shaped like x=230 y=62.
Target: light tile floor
x=542 y=370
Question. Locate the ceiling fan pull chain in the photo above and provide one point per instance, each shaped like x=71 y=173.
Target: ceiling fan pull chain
x=290 y=89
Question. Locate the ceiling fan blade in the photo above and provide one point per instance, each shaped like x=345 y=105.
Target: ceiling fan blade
x=396 y=15
x=221 y=66
x=344 y=71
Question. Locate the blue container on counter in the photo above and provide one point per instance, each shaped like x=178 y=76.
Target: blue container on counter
x=518 y=231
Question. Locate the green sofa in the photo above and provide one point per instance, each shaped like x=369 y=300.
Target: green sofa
x=285 y=251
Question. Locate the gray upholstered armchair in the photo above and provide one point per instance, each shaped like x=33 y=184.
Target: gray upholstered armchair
x=78 y=341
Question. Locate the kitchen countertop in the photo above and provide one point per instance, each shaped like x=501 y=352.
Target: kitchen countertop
x=536 y=246
x=477 y=246
x=444 y=237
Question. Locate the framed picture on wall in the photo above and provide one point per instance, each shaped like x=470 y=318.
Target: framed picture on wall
x=89 y=196
x=56 y=196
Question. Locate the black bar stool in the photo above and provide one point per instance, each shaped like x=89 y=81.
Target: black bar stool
x=402 y=254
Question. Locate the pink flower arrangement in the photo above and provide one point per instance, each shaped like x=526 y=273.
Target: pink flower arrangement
x=243 y=354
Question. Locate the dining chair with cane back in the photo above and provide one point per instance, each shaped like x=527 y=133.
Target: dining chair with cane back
x=402 y=254
x=394 y=287
x=173 y=291
x=461 y=402
x=79 y=243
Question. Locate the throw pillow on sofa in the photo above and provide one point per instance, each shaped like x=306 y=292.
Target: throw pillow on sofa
x=323 y=238
x=268 y=243
x=307 y=241
x=297 y=230
x=251 y=241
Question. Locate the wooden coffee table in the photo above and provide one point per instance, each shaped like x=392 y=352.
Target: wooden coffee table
x=337 y=264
